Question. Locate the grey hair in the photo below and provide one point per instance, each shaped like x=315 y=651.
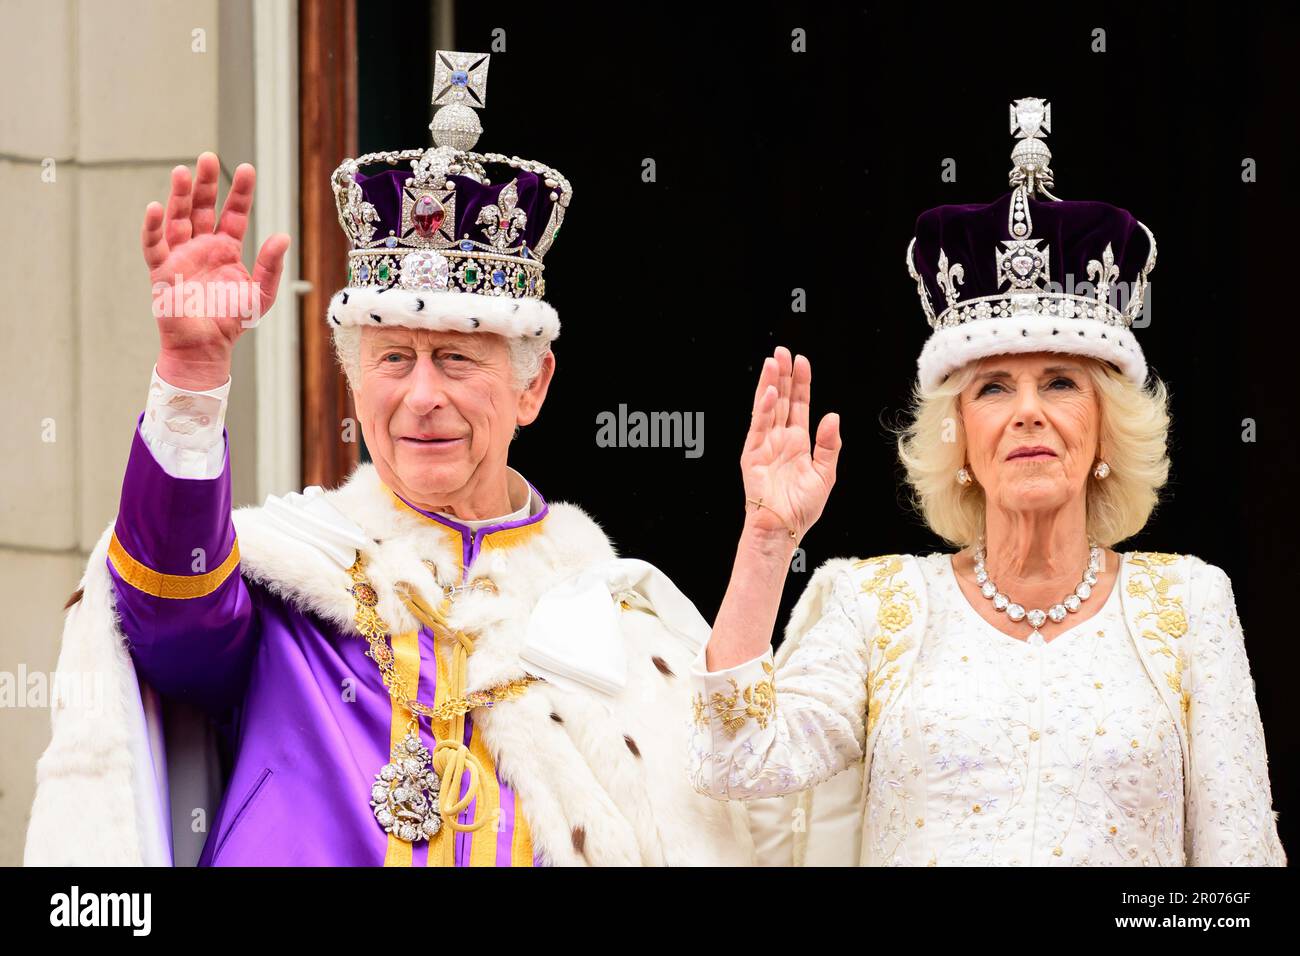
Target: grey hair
x=527 y=353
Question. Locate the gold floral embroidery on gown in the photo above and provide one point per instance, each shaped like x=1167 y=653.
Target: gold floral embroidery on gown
x=894 y=614
x=759 y=702
x=1151 y=584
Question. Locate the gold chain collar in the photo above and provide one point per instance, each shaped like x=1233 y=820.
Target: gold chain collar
x=373 y=627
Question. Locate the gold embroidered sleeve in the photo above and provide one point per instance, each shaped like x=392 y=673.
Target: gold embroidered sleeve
x=758 y=731
x=721 y=698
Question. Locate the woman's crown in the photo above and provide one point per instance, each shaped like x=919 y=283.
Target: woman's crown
x=1028 y=271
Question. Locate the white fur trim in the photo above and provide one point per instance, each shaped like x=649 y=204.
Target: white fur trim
x=950 y=348
x=444 y=311
x=603 y=777
x=96 y=796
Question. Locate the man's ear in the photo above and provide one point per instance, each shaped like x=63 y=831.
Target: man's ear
x=531 y=398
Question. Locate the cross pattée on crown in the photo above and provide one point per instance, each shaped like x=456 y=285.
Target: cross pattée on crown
x=460 y=78
x=1030 y=115
x=459 y=88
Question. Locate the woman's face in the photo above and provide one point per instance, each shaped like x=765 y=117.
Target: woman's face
x=1032 y=423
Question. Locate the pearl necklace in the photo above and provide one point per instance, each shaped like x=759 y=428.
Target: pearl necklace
x=1037 y=617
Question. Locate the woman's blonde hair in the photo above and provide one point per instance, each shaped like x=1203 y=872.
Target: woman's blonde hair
x=1134 y=432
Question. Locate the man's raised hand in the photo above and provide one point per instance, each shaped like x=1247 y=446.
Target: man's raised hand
x=204 y=298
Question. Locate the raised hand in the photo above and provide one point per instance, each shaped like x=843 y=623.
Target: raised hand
x=204 y=298
x=779 y=464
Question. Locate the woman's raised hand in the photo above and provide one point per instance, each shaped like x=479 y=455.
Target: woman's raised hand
x=781 y=465
x=204 y=298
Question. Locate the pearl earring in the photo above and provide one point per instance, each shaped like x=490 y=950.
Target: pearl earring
x=963 y=476
x=1102 y=470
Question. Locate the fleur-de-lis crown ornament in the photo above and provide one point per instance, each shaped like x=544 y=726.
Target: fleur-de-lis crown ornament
x=1030 y=272
x=436 y=243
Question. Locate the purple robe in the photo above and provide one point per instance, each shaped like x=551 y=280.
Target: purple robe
x=276 y=681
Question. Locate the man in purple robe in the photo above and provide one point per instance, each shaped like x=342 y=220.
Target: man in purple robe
x=428 y=666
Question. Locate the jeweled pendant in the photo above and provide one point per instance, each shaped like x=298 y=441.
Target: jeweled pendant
x=404 y=796
x=1036 y=639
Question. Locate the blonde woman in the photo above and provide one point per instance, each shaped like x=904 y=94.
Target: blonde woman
x=1038 y=697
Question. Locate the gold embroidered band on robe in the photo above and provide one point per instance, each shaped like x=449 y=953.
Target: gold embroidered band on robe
x=451 y=757
x=178 y=587
x=406 y=651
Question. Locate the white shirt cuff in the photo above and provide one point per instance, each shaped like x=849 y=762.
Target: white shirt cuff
x=700 y=668
x=184 y=429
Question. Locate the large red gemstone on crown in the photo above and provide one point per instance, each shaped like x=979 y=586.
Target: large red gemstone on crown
x=427 y=216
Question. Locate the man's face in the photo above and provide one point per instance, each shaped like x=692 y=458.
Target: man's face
x=438 y=411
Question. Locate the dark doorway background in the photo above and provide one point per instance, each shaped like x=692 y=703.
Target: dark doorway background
x=779 y=170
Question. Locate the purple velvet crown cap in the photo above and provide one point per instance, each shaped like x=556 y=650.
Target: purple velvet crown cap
x=1077 y=232
x=384 y=191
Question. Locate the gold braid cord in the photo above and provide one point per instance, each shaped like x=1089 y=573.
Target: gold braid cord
x=451 y=758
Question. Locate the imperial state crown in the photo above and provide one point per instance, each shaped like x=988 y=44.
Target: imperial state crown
x=435 y=242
